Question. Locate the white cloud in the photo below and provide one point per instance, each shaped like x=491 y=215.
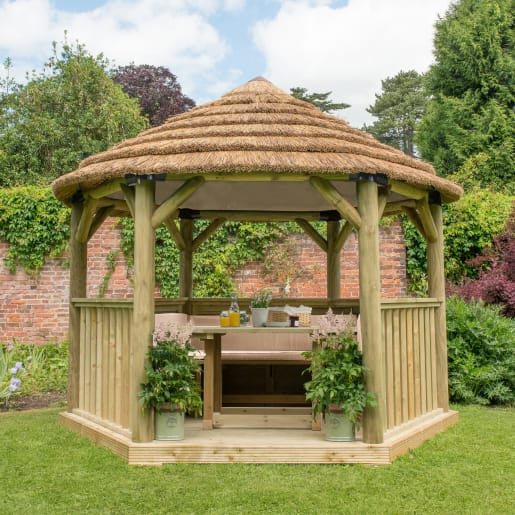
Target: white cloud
x=172 y=34
x=318 y=44
x=24 y=26
x=347 y=50
x=234 y=5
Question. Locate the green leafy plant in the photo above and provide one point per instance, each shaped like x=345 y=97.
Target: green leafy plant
x=45 y=367
x=337 y=371
x=261 y=299
x=171 y=371
x=481 y=353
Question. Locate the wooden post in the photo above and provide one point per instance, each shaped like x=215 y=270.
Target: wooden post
x=333 y=261
x=436 y=280
x=143 y=318
x=78 y=283
x=370 y=310
x=186 y=261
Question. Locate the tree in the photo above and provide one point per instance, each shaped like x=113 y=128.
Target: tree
x=320 y=100
x=68 y=111
x=398 y=109
x=472 y=85
x=159 y=94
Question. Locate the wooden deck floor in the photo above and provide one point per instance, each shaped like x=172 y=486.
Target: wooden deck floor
x=258 y=445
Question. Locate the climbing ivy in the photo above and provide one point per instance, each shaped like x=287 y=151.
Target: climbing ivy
x=35 y=224
x=217 y=259
x=111 y=266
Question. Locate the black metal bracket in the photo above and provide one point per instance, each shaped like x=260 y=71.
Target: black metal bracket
x=189 y=214
x=434 y=197
x=379 y=178
x=330 y=216
x=78 y=197
x=132 y=179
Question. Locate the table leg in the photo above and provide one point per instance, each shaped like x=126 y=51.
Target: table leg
x=209 y=374
x=217 y=389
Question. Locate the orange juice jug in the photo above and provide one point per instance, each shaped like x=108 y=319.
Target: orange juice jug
x=234 y=311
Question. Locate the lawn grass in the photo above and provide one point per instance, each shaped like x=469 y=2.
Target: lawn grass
x=470 y=468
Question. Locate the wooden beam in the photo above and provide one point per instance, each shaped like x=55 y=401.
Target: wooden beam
x=128 y=194
x=332 y=195
x=206 y=233
x=261 y=216
x=141 y=421
x=333 y=261
x=270 y=176
x=382 y=200
x=374 y=421
x=312 y=233
x=86 y=219
x=427 y=221
x=345 y=232
x=99 y=219
x=186 y=262
x=118 y=205
x=175 y=233
x=106 y=189
x=175 y=200
x=436 y=283
x=78 y=289
x=397 y=207
x=407 y=190
x=415 y=220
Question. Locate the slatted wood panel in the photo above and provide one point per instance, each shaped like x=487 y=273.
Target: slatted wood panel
x=408 y=333
x=104 y=359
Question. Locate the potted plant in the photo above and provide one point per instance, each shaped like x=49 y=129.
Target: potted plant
x=259 y=303
x=337 y=387
x=171 y=387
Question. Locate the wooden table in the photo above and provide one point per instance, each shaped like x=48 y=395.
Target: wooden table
x=212 y=338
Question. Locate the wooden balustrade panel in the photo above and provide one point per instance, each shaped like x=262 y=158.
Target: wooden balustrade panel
x=104 y=354
x=408 y=332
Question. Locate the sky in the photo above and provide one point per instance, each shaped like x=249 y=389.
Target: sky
x=212 y=46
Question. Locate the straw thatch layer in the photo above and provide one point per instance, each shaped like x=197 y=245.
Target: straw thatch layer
x=255 y=128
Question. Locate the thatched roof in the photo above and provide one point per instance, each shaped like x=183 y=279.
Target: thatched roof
x=255 y=128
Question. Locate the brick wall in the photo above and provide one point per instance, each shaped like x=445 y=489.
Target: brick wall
x=305 y=270
x=34 y=309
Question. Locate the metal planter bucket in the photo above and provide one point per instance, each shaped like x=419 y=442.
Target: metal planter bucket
x=259 y=316
x=338 y=427
x=169 y=425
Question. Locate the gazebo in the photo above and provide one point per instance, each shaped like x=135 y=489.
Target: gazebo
x=256 y=154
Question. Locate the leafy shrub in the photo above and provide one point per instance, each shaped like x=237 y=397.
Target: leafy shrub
x=496 y=281
x=470 y=226
x=481 y=347
x=45 y=367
